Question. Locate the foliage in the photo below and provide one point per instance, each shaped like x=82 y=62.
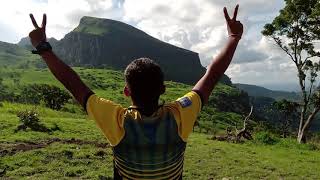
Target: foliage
x=259 y=92
x=30 y=119
x=52 y=96
x=234 y=101
x=4 y=92
x=287 y=114
x=292 y=144
x=204 y=159
x=295 y=30
x=265 y=138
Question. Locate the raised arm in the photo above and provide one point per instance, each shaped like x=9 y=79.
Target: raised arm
x=59 y=69
x=220 y=64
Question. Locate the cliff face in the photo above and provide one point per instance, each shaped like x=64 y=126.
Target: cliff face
x=100 y=42
x=103 y=42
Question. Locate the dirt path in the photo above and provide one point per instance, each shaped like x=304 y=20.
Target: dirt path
x=13 y=148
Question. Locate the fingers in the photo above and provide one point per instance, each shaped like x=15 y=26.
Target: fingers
x=34 y=22
x=44 y=21
x=235 y=14
x=226 y=15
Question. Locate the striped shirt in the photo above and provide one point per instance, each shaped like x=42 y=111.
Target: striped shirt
x=147 y=147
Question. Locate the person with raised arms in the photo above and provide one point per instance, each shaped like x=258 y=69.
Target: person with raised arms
x=148 y=140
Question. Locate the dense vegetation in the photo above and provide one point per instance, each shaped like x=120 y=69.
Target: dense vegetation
x=45 y=134
x=257 y=91
x=70 y=146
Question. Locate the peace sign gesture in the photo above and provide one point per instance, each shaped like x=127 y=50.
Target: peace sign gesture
x=38 y=35
x=235 y=28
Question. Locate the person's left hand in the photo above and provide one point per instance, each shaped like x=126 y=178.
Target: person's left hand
x=38 y=35
x=235 y=27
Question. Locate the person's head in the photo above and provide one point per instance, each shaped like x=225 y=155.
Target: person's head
x=144 y=82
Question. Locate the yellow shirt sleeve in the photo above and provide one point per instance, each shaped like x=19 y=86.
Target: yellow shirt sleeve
x=186 y=110
x=108 y=116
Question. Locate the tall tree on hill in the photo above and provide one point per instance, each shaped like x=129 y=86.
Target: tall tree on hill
x=295 y=31
x=288 y=113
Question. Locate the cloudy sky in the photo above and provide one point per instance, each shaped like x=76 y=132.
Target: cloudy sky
x=197 y=25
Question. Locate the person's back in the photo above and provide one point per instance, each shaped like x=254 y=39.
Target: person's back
x=148 y=140
x=147 y=143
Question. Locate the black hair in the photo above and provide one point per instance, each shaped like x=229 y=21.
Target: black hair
x=145 y=79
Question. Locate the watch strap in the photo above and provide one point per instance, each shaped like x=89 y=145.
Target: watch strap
x=42 y=47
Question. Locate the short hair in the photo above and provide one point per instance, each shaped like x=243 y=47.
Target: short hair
x=145 y=79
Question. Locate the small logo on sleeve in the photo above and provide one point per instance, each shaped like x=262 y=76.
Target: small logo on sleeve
x=185 y=102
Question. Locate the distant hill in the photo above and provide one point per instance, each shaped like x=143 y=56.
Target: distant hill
x=100 y=42
x=258 y=91
x=12 y=54
x=25 y=42
x=97 y=42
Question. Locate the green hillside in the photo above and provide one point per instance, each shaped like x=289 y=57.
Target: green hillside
x=109 y=84
x=98 y=42
x=258 y=91
x=11 y=54
x=79 y=151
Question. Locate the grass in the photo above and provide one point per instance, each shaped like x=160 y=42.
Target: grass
x=77 y=150
x=109 y=84
x=205 y=159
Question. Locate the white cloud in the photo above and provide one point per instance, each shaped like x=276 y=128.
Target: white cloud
x=63 y=15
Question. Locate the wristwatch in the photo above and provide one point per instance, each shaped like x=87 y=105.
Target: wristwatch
x=42 y=47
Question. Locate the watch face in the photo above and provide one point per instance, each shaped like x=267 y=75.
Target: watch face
x=44 y=46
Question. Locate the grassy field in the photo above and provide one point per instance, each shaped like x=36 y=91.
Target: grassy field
x=79 y=150
x=109 y=84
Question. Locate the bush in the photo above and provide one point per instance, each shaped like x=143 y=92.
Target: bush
x=265 y=138
x=293 y=144
x=30 y=119
x=5 y=95
x=52 y=96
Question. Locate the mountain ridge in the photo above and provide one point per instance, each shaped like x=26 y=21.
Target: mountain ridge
x=104 y=42
x=259 y=91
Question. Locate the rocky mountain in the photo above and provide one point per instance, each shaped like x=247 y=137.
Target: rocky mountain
x=25 y=42
x=258 y=91
x=97 y=42
x=107 y=43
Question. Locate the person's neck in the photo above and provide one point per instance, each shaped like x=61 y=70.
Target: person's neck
x=147 y=109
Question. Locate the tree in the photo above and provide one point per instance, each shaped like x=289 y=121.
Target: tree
x=295 y=31
x=52 y=96
x=288 y=111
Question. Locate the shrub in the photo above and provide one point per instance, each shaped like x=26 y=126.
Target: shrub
x=52 y=96
x=30 y=119
x=31 y=94
x=293 y=144
x=265 y=138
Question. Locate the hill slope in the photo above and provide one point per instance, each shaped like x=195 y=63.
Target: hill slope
x=103 y=42
x=12 y=54
x=258 y=91
x=97 y=42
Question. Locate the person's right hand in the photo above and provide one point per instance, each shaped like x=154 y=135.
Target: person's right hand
x=235 y=28
x=38 y=35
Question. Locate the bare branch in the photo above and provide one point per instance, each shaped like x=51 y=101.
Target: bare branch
x=279 y=43
x=310 y=90
x=247 y=118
